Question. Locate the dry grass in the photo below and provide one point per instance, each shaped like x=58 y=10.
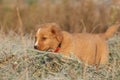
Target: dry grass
x=73 y=16
x=37 y=65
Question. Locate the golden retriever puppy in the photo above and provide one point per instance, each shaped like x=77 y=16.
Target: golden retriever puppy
x=89 y=48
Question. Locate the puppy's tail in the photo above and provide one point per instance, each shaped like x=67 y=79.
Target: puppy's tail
x=111 y=30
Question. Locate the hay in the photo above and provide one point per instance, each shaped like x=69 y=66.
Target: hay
x=18 y=62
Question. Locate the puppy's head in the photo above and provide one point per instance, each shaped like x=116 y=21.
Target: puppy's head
x=48 y=36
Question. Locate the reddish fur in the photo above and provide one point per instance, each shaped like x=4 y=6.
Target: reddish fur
x=89 y=48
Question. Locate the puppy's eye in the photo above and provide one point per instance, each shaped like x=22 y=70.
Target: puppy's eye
x=44 y=38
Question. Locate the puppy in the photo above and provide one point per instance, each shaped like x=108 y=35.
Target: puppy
x=89 y=48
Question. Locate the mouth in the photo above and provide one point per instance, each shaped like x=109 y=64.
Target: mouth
x=44 y=49
x=49 y=49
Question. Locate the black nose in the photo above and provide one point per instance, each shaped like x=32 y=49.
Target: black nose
x=35 y=47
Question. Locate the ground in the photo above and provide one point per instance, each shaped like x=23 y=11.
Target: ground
x=19 y=61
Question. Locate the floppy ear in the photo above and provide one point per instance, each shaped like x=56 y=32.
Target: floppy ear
x=56 y=30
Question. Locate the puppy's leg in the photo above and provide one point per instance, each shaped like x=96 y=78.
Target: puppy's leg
x=101 y=53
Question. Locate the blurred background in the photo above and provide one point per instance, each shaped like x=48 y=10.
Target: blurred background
x=94 y=16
